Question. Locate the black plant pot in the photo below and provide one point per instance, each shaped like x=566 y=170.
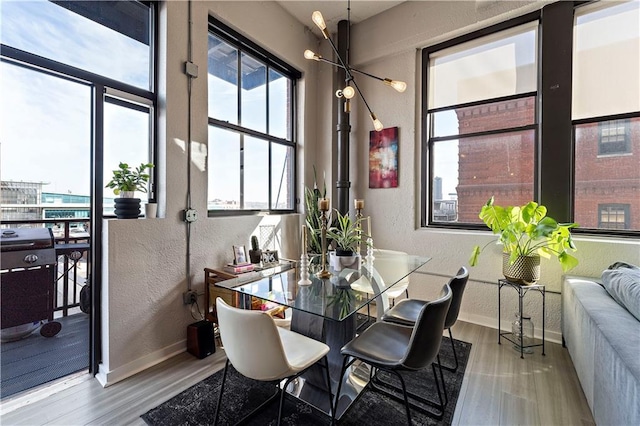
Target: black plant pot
x=255 y=256
x=127 y=208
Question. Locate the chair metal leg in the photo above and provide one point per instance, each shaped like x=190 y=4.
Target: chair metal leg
x=254 y=411
x=224 y=377
x=404 y=394
x=444 y=386
x=326 y=367
x=455 y=356
x=376 y=384
x=435 y=377
x=282 y=392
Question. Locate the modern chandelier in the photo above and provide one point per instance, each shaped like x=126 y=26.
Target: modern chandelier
x=351 y=87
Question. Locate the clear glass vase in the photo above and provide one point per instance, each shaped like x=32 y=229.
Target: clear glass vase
x=524 y=339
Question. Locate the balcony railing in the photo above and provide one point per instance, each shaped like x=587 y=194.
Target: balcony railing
x=72 y=245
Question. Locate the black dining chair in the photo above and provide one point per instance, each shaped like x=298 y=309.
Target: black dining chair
x=393 y=348
x=406 y=311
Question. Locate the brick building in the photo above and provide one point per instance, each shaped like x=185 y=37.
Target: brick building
x=607 y=170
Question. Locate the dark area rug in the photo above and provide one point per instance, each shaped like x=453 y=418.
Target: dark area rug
x=197 y=405
x=35 y=360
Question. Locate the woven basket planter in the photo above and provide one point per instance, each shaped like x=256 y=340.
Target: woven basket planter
x=525 y=270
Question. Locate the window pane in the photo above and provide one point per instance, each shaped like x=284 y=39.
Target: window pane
x=46 y=140
x=281 y=177
x=500 y=165
x=606 y=179
x=279 y=101
x=606 y=59
x=482 y=118
x=126 y=139
x=256 y=174
x=224 y=169
x=254 y=94
x=223 y=80
x=107 y=38
x=497 y=65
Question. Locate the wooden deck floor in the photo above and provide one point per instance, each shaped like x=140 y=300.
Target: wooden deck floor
x=32 y=361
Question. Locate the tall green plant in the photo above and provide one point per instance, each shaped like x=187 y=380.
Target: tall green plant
x=527 y=230
x=313 y=221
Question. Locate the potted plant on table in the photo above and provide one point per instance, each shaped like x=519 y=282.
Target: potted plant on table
x=125 y=182
x=526 y=233
x=346 y=235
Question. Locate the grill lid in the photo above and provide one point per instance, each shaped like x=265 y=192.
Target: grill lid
x=14 y=239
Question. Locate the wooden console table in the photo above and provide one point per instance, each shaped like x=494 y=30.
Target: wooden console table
x=214 y=276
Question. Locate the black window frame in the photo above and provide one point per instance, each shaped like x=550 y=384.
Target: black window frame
x=100 y=85
x=246 y=46
x=554 y=178
x=427 y=129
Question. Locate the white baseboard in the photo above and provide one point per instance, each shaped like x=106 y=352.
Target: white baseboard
x=107 y=378
x=491 y=322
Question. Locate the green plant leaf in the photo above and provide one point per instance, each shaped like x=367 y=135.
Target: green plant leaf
x=527 y=230
x=473 y=260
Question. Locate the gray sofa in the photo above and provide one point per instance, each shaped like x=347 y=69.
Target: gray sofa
x=603 y=339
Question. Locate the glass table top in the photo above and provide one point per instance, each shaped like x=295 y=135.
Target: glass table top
x=343 y=293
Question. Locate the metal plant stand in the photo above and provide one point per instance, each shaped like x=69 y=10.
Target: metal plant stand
x=522 y=290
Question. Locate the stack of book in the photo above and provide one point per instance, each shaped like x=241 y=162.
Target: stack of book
x=239 y=268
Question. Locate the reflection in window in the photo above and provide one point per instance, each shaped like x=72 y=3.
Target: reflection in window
x=126 y=125
x=605 y=177
x=45 y=148
x=606 y=112
x=224 y=170
x=482 y=107
x=106 y=38
x=251 y=108
x=281 y=177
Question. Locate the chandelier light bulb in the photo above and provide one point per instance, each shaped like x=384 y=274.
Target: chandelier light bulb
x=377 y=125
x=400 y=86
x=308 y=54
x=348 y=92
x=317 y=19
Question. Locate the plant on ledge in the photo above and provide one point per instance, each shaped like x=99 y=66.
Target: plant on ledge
x=125 y=180
x=527 y=232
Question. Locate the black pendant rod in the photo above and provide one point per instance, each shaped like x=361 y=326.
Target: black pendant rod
x=344 y=127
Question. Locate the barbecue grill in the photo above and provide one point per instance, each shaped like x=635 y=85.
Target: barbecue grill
x=27 y=267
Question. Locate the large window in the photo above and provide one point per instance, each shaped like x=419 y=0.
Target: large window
x=77 y=88
x=572 y=143
x=482 y=116
x=251 y=162
x=606 y=116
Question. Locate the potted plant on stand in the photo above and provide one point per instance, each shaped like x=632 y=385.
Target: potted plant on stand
x=125 y=182
x=346 y=234
x=526 y=233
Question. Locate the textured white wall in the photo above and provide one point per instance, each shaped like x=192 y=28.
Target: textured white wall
x=144 y=318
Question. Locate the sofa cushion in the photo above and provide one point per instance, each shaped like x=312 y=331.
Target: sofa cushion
x=622 y=282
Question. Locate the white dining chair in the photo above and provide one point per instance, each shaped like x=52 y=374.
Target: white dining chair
x=260 y=350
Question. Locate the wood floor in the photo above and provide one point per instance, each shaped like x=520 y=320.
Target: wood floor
x=499 y=388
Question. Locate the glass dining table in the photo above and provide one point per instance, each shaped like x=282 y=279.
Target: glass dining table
x=332 y=310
